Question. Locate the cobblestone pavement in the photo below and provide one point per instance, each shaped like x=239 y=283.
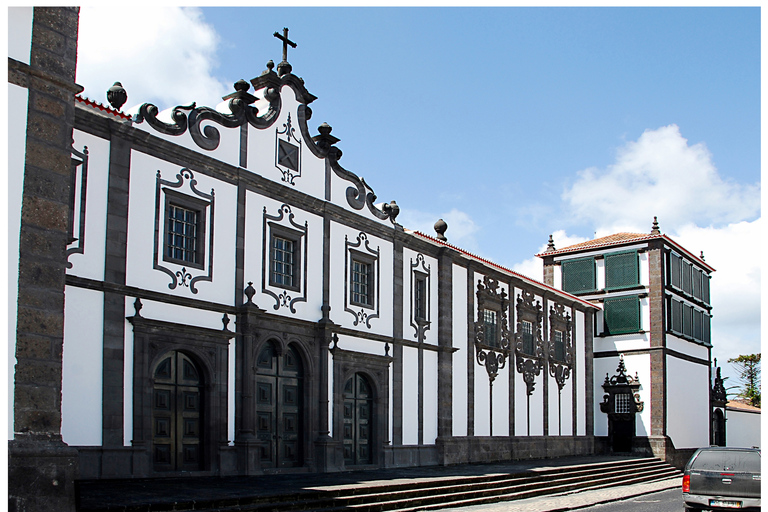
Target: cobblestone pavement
x=576 y=500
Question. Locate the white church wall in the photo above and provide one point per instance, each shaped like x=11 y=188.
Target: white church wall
x=686 y=347
x=639 y=364
x=308 y=300
x=622 y=343
x=645 y=269
x=459 y=403
x=166 y=312
x=411 y=263
x=82 y=367
x=688 y=411
x=600 y=273
x=140 y=255
x=410 y=398
x=19 y=41
x=17 y=147
x=90 y=263
x=349 y=315
x=579 y=381
x=482 y=402
x=330 y=393
x=557 y=276
x=430 y=397
x=742 y=429
x=231 y=360
x=362 y=345
x=501 y=402
x=228 y=149
x=262 y=151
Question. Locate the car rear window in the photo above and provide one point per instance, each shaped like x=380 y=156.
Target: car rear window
x=728 y=460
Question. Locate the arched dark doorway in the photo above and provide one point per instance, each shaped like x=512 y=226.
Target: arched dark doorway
x=718 y=428
x=177 y=414
x=279 y=421
x=358 y=420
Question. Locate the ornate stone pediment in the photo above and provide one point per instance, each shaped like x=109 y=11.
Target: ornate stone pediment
x=491 y=328
x=560 y=344
x=529 y=347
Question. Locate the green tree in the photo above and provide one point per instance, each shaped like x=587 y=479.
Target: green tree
x=748 y=368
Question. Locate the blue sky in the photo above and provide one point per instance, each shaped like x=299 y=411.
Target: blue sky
x=509 y=123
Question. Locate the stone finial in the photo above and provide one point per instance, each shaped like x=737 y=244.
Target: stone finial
x=116 y=95
x=250 y=291
x=551 y=245
x=702 y=256
x=655 y=228
x=270 y=67
x=440 y=229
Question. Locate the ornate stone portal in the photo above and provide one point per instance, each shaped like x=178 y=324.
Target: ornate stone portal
x=621 y=402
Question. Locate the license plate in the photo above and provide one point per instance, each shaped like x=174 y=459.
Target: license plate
x=724 y=504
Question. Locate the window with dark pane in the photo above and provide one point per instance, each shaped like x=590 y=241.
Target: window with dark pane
x=182 y=234
x=687 y=281
x=705 y=288
x=676 y=316
x=559 y=346
x=687 y=320
x=361 y=283
x=490 y=328
x=696 y=283
x=283 y=257
x=420 y=299
x=527 y=336
x=698 y=325
x=622 y=270
x=675 y=271
x=706 y=328
x=622 y=403
x=579 y=275
x=622 y=315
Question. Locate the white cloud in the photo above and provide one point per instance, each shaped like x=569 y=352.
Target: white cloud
x=661 y=175
x=164 y=56
x=534 y=267
x=461 y=228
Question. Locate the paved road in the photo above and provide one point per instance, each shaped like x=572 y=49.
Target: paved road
x=622 y=497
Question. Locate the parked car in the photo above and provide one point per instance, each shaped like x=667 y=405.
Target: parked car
x=718 y=478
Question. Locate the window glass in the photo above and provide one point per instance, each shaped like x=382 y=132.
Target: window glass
x=579 y=275
x=622 y=403
x=181 y=236
x=491 y=328
x=361 y=274
x=283 y=261
x=420 y=299
x=527 y=335
x=621 y=270
x=675 y=272
x=559 y=346
x=728 y=460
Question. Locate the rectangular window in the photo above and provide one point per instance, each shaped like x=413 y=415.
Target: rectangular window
x=676 y=314
x=687 y=282
x=579 y=275
x=705 y=288
x=420 y=299
x=622 y=315
x=698 y=327
x=622 y=403
x=559 y=346
x=696 y=284
x=361 y=283
x=490 y=328
x=706 y=327
x=283 y=262
x=527 y=336
x=622 y=270
x=687 y=320
x=675 y=271
x=182 y=231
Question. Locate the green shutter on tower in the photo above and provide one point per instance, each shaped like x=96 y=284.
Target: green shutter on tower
x=579 y=275
x=622 y=315
x=622 y=270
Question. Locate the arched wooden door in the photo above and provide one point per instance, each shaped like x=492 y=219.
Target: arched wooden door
x=718 y=428
x=358 y=421
x=177 y=414
x=279 y=419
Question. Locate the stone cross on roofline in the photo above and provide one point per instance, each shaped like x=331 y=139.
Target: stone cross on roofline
x=286 y=42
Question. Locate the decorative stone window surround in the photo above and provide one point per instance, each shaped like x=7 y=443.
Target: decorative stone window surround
x=284 y=226
x=529 y=309
x=361 y=251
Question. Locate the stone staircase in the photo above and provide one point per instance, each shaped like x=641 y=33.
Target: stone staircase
x=433 y=493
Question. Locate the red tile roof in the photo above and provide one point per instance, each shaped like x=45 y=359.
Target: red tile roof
x=101 y=107
x=503 y=269
x=743 y=406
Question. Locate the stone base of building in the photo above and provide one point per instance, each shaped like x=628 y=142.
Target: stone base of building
x=466 y=450
x=660 y=447
x=41 y=474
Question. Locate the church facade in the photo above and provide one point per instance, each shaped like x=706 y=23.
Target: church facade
x=225 y=298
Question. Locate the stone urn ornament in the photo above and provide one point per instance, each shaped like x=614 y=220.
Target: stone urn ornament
x=117 y=96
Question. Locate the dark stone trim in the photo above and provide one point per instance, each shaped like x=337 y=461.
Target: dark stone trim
x=240 y=247
x=589 y=390
x=444 y=341
x=79 y=160
x=545 y=386
x=397 y=352
x=471 y=349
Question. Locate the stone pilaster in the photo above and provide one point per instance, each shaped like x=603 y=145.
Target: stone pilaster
x=42 y=468
x=445 y=341
x=658 y=341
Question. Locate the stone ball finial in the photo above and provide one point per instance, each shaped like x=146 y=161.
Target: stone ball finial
x=242 y=86
x=324 y=129
x=440 y=228
x=655 y=228
x=551 y=245
x=116 y=95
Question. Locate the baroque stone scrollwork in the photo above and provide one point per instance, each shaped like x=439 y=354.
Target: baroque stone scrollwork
x=78 y=189
x=288 y=152
x=420 y=305
x=560 y=350
x=361 y=250
x=491 y=328
x=529 y=357
x=622 y=398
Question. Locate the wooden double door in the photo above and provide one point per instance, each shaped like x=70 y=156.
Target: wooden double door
x=279 y=414
x=177 y=414
x=358 y=421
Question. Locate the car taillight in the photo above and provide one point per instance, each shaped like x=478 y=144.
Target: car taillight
x=687 y=483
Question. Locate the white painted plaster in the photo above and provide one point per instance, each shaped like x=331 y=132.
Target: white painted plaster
x=17 y=147
x=537 y=406
x=255 y=255
x=19 y=39
x=82 y=367
x=623 y=342
x=410 y=397
x=688 y=411
x=163 y=311
x=460 y=307
x=645 y=268
x=228 y=150
x=339 y=281
x=742 y=429
x=501 y=402
x=639 y=364
x=330 y=393
x=128 y=374
x=557 y=276
x=687 y=347
x=579 y=381
x=430 y=397
x=362 y=345
x=141 y=232
x=90 y=264
x=600 y=273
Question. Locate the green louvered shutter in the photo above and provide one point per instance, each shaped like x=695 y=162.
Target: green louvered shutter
x=675 y=271
x=622 y=315
x=579 y=275
x=622 y=270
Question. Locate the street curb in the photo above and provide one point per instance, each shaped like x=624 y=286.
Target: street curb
x=663 y=486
